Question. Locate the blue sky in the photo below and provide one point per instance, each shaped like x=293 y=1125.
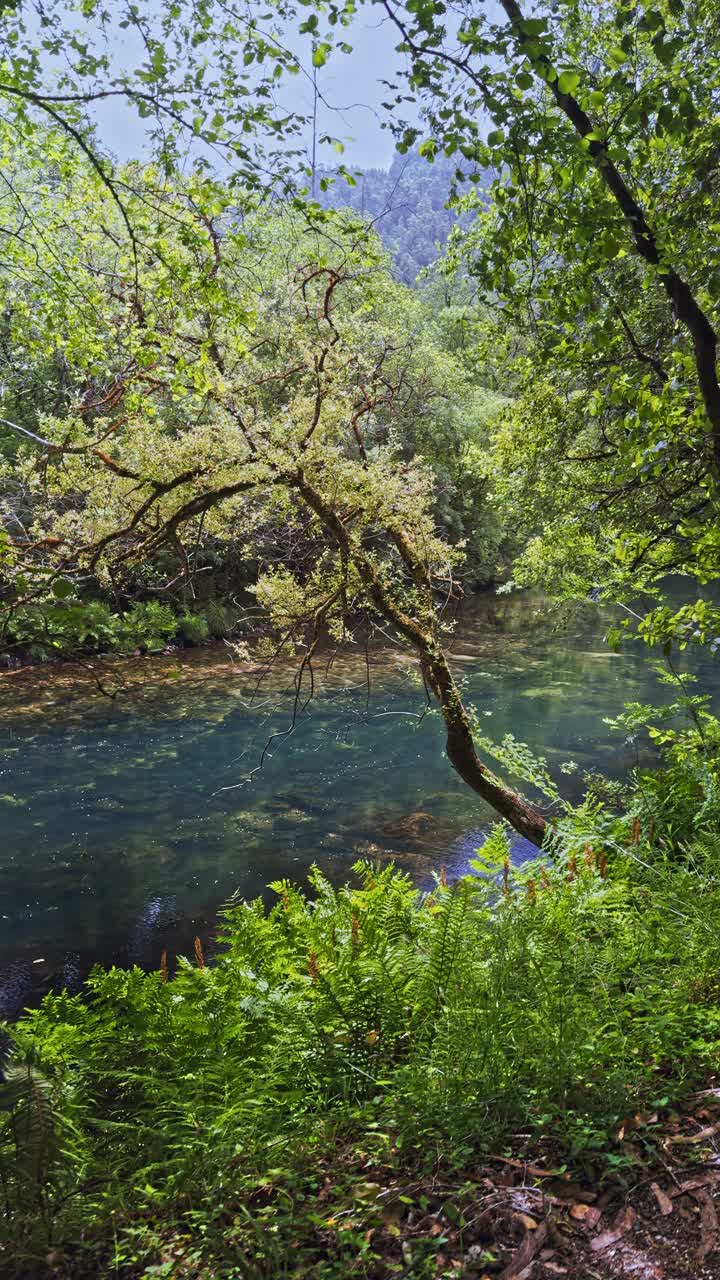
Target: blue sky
x=350 y=84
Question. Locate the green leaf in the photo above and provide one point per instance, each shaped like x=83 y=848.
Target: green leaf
x=568 y=81
x=533 y=26
x=320 y=55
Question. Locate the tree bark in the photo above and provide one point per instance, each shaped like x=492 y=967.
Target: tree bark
x=523 y=816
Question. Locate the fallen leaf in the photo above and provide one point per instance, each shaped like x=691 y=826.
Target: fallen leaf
x=586 y=1213
x=529 y=1223
x=699 y=1180
x=624 y=1222
x=532 y=1244
x=665 y=1204
x=708 y=1223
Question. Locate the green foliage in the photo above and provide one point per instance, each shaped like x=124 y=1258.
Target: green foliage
x=221 y=618
x=368 y=1025
x=148 y=625
x=596 y=250
x=62 y=628
x=678 y=803
x=239 y=387
x=194 y=627
x=381 y=412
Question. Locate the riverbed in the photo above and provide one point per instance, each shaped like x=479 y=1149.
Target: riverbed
x=138 y=795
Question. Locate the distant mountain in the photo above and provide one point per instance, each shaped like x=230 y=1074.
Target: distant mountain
x=407 y=205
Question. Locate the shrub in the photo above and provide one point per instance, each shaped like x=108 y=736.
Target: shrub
x=194 y=628
x=148 y=625
x=221 y=618
x=62 y=628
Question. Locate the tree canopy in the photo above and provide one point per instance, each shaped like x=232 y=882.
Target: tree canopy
x=598 y=247
x=203 y=360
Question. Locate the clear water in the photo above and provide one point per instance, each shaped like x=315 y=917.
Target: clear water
x=126 y=822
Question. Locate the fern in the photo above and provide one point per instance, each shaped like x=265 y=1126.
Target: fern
x=28 y=1135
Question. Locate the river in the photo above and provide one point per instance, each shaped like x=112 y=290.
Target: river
x=128 y=820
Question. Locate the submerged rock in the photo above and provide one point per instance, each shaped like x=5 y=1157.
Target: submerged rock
x=411 y=825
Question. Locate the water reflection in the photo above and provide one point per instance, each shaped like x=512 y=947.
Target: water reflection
x=127 y=821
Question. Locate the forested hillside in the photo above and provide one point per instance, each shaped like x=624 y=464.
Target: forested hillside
x=407 y=205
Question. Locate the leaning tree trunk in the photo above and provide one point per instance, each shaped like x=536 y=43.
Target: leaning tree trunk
x=523 y=816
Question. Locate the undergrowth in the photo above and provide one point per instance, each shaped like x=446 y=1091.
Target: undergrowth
x=231 y=1120
x=67 y=627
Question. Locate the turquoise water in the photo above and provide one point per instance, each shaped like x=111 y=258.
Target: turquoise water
x=127 y=821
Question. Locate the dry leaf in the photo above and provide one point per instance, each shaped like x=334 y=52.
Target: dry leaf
x=529 y=1223
x=665 y=1204
x=708 y=1223
x=532 y=1244
x=699 y=1180
x=625 y=1220
x=586 y=1213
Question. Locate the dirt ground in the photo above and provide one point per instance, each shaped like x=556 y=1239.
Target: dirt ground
x=518 y=1219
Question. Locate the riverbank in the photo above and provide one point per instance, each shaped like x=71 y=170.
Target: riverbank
x=129 y=820
x=374 y=1081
